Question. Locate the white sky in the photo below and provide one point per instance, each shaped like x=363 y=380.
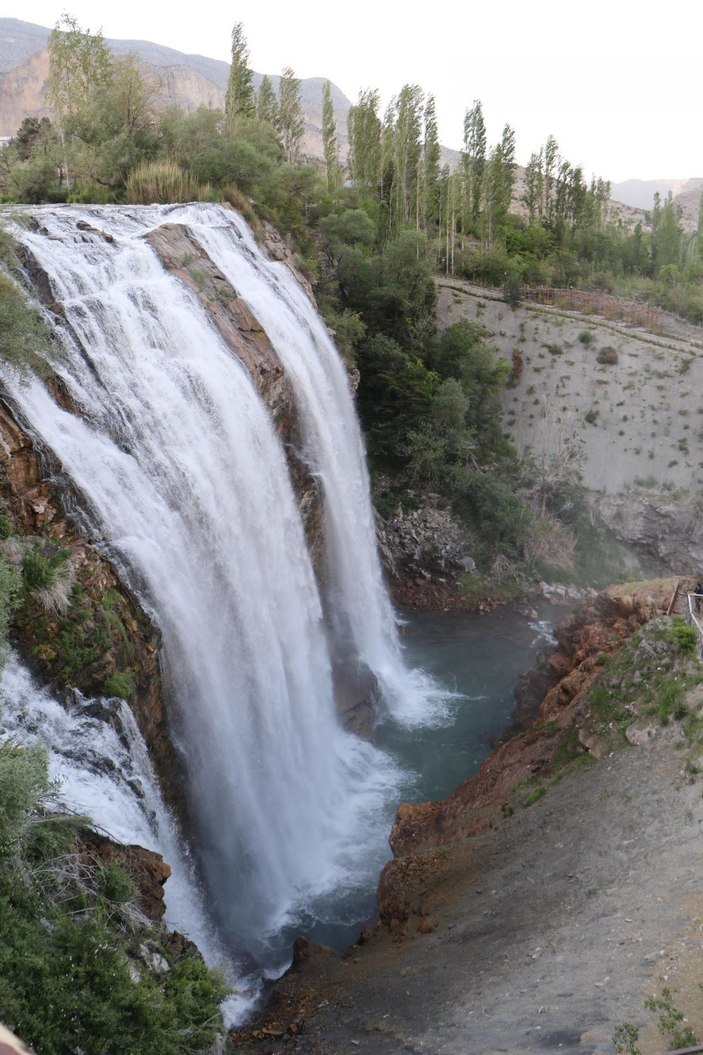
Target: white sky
x=618 y=83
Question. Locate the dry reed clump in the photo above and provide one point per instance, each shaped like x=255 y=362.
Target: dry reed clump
x=164 y=183
x=551 y=542
x=56 y=597
x=239 y=201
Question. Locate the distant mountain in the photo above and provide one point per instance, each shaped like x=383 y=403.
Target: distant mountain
x=640 y=193
x=187 y=81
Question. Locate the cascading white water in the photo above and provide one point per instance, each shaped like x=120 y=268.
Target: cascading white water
x=178 y=461
x=363 y=621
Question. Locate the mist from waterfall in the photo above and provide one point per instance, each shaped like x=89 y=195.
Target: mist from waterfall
x=185 y=481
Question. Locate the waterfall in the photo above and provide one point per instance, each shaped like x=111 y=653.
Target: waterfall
x=363 y=623
x=185 y=480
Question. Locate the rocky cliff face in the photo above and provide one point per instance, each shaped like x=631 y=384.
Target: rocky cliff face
x=424 y=552
x=609 y=404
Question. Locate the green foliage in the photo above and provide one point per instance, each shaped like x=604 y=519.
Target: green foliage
x=625 y=1039
x=396 y=390
x=291 y=125
x=71 y=973
x=671 y=1021
x=685 y=636
x=498 y=515
x=120 y=684
x=671 y=702
x=25 y=342
x=607 y=356
x=513 y=289
x=38 y=571
x=239 y=99
x=23 y=781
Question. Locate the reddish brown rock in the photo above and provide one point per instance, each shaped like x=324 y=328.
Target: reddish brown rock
x=147 y=869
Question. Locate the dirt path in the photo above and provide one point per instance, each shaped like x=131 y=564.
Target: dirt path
x=542 y=936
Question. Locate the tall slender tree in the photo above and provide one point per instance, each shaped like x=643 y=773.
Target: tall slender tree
x=430 y=167
x=239 y=99
x=329 y=140
x=550 y=156
x=534 y=188
x=79 y=71
x=291 y=125
x=364 y=134
x=474 y=161
x=407 y=153
x=266 y=103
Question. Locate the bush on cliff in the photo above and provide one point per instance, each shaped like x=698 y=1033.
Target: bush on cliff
x=73 y=974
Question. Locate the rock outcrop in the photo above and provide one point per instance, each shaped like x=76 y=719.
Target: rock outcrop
x=424 y=552
x=146 y=868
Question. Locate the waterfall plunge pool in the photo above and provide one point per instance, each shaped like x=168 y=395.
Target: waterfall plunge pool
x=478 y=660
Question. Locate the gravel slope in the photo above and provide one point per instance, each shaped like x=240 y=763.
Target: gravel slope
x=543 y=936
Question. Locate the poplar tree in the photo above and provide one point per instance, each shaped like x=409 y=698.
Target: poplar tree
x=239 y=100
x=474 y=160
x=534 y=188
x=498 y=185
x=290 y=115
x=364 y=134
x=266 y=103
x=430 y=166
x=406 y=152
x=550 y=155
x=329 y=139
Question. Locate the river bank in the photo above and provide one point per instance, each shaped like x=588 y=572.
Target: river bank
x=545 y=930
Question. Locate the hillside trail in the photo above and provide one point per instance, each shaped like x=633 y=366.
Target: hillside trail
x=669 y=325
x=542 y=936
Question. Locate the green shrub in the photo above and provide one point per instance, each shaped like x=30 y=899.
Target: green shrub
x=72 y=976
x=120 y=684
x=686 y=637
x=39 y=571
x=671 y=1021
x=25 y=341
x=607 y=356
x=586 y=338
x=671 y=703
